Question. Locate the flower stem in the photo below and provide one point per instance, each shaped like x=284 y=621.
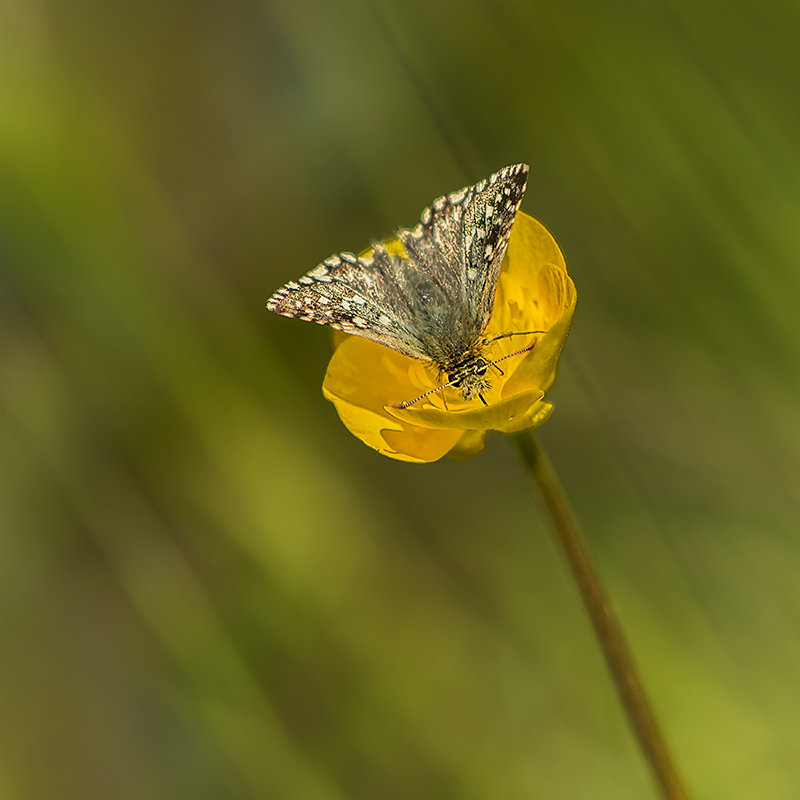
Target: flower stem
x=607 y=628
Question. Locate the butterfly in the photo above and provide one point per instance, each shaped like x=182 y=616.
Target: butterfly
x=428 y=292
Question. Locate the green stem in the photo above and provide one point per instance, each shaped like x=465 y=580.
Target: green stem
x=607 y=628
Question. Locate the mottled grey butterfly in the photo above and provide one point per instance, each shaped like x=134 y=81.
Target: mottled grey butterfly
x=428 y=293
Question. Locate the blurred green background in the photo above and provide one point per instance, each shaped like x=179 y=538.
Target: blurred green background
x=208 y=588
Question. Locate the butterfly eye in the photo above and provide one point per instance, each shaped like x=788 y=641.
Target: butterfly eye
x=480 y=366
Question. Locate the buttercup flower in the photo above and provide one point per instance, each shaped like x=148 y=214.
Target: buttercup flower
x=365 y=380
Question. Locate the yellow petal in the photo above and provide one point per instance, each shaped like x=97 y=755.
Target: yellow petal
x=362 y=379
x=468 y=446
x=496 y=416
x=558 y=297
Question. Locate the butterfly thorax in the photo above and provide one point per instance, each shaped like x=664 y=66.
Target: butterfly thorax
x=469 y=375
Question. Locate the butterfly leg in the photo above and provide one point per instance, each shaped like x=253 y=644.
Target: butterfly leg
x=511 y=333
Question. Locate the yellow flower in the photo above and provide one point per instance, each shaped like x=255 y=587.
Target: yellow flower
x=366 y=380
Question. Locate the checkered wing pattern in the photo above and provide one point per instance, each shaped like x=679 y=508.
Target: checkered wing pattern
x=359 y=295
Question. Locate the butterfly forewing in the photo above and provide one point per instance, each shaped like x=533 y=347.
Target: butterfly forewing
x=357 y=295
x=489 y=213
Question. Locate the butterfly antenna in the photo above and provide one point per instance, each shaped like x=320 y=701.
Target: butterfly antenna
x=515 y=353
x=512 y=333
x=422 y=396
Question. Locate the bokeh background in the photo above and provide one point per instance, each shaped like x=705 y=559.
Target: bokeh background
x=208 y=588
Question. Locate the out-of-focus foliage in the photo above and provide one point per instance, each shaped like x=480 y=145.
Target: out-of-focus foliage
x=207 y=587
